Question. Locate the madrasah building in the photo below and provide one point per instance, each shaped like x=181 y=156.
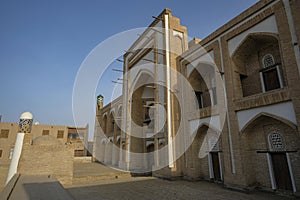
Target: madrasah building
x=225 y=108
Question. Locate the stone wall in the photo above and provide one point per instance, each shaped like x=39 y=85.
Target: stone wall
x=3 y=175
x=46 y=156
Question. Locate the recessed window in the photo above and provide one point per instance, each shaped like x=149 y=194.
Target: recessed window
x=72 y=135
x=60 y=134
x=149 y=114
x=76 y=136
x=113 y=126
x=206 y=98
x=199 y=99
x=270 y=74
x=1 y=153
x=45 y=132
x=4 y=133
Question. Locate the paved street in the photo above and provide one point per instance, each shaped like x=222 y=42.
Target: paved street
x=152 y=188
x=96 y=181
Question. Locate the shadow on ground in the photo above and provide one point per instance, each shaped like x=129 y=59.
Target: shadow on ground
x=152 y=188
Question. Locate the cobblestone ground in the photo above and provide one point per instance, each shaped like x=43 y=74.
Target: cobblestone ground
x=152 y=188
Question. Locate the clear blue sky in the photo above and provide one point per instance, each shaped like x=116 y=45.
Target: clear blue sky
x=43 y=43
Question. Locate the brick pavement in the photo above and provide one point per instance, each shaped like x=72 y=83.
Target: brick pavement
x=153 y=188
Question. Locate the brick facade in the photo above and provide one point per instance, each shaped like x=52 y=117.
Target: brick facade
x=245 y=75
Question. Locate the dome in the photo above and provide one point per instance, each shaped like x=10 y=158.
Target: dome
x=46 y=140
x=26 y=115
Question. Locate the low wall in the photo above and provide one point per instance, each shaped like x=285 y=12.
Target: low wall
x=86 y=159
x=3 y=175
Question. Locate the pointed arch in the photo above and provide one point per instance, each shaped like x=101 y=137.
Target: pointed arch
x=268 y=115
x=120 y=106
x=140 y=73
x=209 y=139
x=205 y=125
x=112 y=111
x=252 y=36
x=196 y=67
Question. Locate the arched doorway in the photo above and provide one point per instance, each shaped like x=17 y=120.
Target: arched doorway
x=205 y=157
x=270 y=152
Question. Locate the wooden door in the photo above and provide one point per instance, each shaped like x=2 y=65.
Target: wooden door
x=216 y=166
x=281 y=171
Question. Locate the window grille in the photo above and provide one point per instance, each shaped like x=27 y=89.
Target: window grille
x=268 y=61
x=276 y=142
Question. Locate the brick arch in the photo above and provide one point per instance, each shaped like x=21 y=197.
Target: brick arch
x=247 y=59
x=253 y=36
x=118 y=118
x=112 y=111
x=206 y=132
x=138 y=78
x=150 y=144
x=204 y=125
x=110 y=120
x=119 y=109
x=203 y=81
x=256 y=118
x=199 y=152
x=208 y=63
x=137 y=90
x=104 y=123
x=255 y=147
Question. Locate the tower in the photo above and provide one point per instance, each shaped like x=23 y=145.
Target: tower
x=25 y=122
x=99 y=101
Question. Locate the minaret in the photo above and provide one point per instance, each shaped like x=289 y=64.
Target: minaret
x=25 y=124
x=97 y=123
x=100 y=102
